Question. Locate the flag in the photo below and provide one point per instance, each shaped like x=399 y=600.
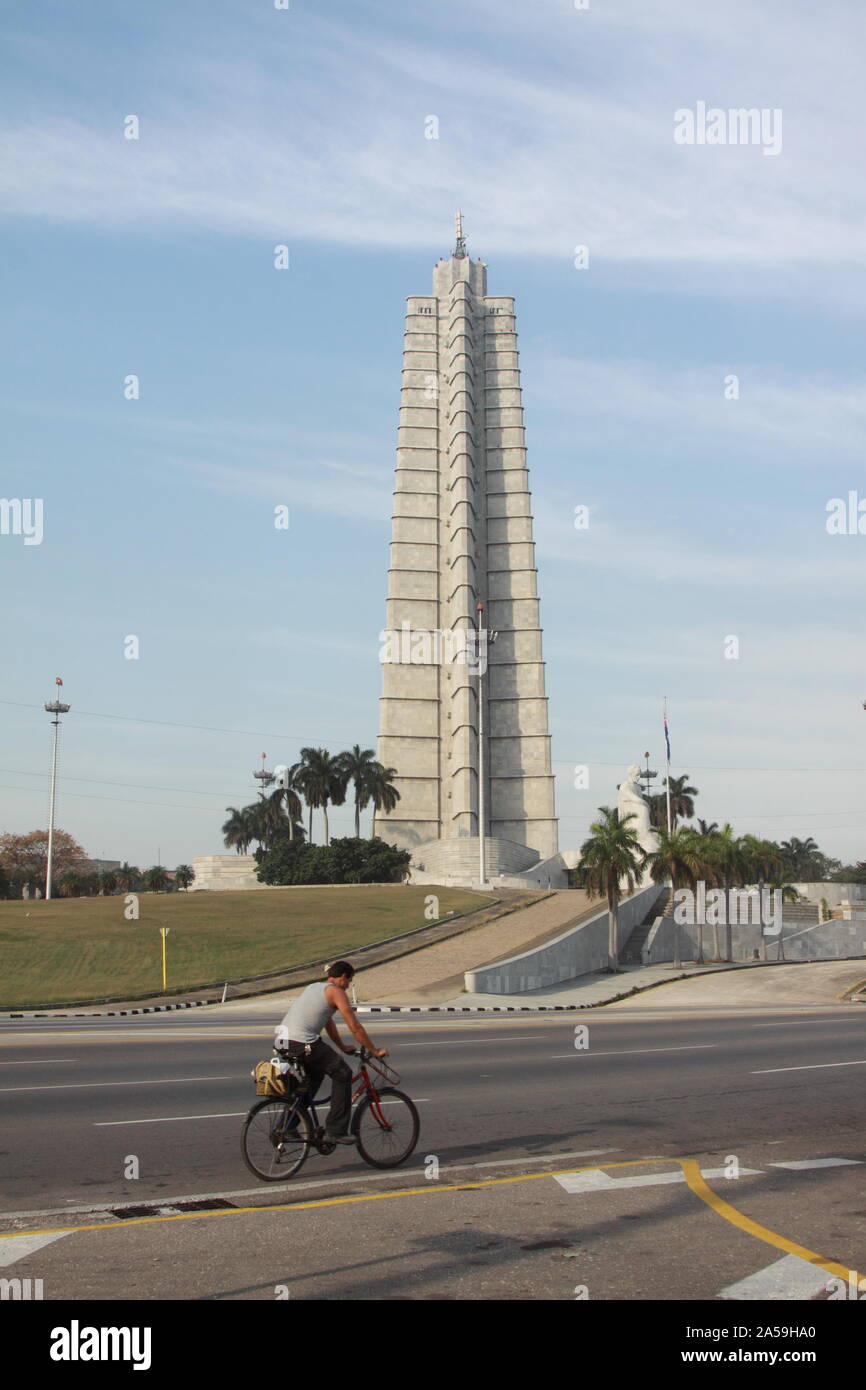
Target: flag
x=667 y=736
x=57 y=680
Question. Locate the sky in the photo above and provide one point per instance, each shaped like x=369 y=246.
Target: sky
x=694 y=378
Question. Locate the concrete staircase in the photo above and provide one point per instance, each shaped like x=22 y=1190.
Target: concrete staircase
x=805 y=914
x=631 y=952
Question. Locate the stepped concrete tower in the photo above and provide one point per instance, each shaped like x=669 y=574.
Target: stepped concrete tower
x=463 y=707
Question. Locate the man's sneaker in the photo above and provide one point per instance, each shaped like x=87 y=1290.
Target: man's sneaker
x=339 y=1139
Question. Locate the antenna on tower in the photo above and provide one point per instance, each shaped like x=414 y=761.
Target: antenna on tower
x=460 y=248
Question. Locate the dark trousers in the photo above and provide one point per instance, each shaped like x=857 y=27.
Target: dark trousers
x=324 y=1061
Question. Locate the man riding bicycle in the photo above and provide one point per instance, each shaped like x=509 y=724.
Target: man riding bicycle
x=298 y=1035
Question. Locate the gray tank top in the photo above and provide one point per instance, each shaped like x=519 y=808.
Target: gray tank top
x=308 y=1015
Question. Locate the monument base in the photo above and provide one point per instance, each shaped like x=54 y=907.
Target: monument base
x=507 y=864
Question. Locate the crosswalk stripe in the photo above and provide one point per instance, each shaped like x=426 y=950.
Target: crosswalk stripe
x=17 y=1247
x=788 y=1279
x=596 y=1181
x=798 y=1164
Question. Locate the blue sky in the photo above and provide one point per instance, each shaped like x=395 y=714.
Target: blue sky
x=259 y=387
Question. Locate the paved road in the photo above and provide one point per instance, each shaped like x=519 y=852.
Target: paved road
x=504 y=1104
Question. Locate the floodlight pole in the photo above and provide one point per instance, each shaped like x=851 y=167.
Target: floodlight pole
x=263 y=777
x=55 y=707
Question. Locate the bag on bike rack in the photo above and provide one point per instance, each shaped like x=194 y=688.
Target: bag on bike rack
x=271 y=1080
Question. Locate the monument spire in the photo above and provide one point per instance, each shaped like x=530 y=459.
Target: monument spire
x=460 y=248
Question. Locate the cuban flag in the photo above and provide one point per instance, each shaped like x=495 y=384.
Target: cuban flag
x=57 y=680
x=667 y=736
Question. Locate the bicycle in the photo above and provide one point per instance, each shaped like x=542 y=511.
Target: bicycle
x=278 y=1133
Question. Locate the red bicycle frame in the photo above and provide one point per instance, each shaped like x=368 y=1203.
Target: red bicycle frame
x=365 y=1085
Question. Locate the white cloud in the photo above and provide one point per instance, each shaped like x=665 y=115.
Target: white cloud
x=560 y=139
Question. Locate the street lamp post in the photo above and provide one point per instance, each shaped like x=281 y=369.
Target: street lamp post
x=55 y=707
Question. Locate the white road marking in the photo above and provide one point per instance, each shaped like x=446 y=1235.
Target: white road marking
x=169 y=1119
x=41 y=1062
x=458 y=1043
x=632 y=1051
x=86 y=1085
x=17 y=1247
x=223 y=1115
x=813 y=1066
x=300 y=1186
x=802 y=1163
x=787 y=1280
x=809 y=1022
x=597 y=1181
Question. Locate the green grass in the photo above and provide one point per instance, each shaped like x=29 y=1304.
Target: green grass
x=83 y=948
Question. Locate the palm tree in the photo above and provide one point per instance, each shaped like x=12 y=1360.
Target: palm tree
x=359 y=766
x=681 y=860
x=682 y=804
x=383 y=794
x=184 y=875
x=789 y=895
x=796 y=855
x=127 y=876
x=288 y=793
x=762 y=861
x=322 y=780
x=704 y=829
x=611 y=855
x=729 y=859
x=156 y=879
x=237 y=830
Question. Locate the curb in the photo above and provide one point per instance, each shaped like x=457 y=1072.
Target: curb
x=122 y=1013
x=469 y=1009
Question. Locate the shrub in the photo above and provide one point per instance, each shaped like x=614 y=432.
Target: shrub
x=343 y=861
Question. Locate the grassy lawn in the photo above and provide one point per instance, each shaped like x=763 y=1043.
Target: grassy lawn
x=83 y=948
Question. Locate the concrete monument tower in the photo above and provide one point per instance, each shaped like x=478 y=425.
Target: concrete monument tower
x=463 y=712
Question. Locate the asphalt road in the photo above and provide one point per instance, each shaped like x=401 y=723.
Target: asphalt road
x=504 y=1104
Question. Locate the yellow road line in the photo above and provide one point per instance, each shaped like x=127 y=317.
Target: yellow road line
x=690 y=1168
x=695 y=1179
x=330 y=1201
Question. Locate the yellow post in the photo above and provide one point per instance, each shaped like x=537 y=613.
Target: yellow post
x=163 y=933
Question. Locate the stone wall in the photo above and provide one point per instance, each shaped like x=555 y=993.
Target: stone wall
x=225 y=871
x=831 y=940
x=580 y=950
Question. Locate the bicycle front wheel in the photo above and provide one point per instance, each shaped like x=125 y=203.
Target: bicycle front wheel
x=386 y=1129
x=275 y=1139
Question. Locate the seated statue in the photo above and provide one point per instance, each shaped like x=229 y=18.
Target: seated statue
x=632 y=802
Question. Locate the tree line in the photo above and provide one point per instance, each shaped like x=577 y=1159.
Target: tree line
x=612 y=860
x=24 y=861
x=320 y=780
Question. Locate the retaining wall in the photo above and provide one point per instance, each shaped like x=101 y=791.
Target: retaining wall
x=580 y=950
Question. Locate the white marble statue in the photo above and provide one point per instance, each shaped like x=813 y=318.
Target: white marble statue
x=632 y=802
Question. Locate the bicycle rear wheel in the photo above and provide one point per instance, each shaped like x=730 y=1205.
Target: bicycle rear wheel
x=386 y=1129
x=271 y=1150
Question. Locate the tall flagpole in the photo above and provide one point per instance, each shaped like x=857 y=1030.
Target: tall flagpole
x=668 y=759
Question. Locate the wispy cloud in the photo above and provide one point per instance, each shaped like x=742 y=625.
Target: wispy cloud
x=539 y=151
x=357 y=497
x=816 y=417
